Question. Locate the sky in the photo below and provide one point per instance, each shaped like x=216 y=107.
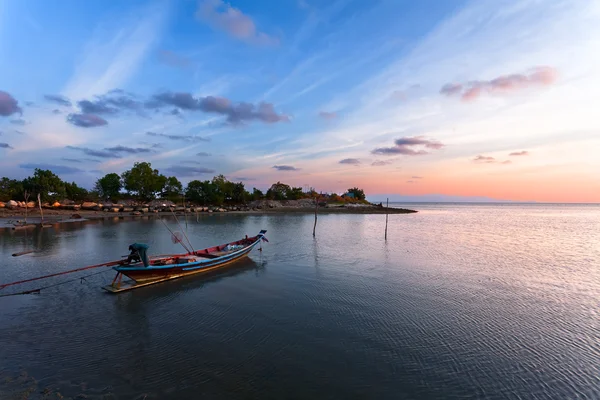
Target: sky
x=486 y=98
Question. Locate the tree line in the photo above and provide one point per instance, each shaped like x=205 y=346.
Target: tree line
x=144 y=183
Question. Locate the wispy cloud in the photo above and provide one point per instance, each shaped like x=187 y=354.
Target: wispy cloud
x=351 y=161
x=519 y=153
x=416 y=177
x=58 y=99
x=540 y=76
x=235 y=113
x=184 y=138
x=8 y=105
x=489 y=160
x=381 y=163
x=115 y=52
x=58 y=169
x=128 y=150
x=75 y=160
x=95 y=153
x=285 y=168
x=185 y=171
x=203 y=154
x=224 y=17
x=327 y=115
x=86 y=120
x=484 y=159
x=20 y=122
x=5 y=146
x=411 y=146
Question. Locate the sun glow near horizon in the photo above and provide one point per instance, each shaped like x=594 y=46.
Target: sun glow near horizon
x=474 y=99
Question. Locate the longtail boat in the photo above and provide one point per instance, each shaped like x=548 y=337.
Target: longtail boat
x=155 y=269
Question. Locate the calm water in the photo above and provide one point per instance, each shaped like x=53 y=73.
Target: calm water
x=477 y=301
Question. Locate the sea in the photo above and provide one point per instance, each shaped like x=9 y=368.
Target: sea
x=477 y=301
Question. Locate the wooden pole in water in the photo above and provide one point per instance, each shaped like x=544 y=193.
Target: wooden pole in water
x=41 y=212
x=387 y=204
x=26 y=196
x=316 y=207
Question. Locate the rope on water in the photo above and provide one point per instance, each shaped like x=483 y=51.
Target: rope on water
x=108 y=264
x=38 y=290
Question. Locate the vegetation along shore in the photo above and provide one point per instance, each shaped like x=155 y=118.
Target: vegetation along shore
x=143 y=190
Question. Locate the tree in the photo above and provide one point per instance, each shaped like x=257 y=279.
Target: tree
x=200 y=192
x=278 y=191
x=257 y=194
x=46 y=183
x=172 y=190
x=74 y=192
x=109 y=186
x=223 y=190
x=10 y=189
x=359 y=194
x=294 y=193
x=143 y=182
x=239 y=193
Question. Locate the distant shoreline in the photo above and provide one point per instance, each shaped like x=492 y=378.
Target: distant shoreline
x=8 y=217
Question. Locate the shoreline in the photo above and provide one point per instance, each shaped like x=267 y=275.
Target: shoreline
x=8 y=217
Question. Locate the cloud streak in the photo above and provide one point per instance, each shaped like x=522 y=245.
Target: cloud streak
x=58 y=99
x=5 y=146
x=184 y=138
x=327 y=115
x=480 y=159
x=86 y=120
x=536 y=77
x=222 y=16
x=95 y=153
x=350 y=161
x=58 y=169
x=182 y=170
x=285 y=168
x=235 y=113
x=519 y=153
x=381 y=163
x=410 y=146
x=128 y=150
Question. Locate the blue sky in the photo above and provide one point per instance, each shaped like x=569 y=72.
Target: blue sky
x=320 y=93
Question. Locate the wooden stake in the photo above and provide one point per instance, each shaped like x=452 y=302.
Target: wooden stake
x=316 y=207
x=26 y=196
x=41 y=212
x=387 y=204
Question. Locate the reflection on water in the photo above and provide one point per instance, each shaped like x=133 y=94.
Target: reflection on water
x=461 y=301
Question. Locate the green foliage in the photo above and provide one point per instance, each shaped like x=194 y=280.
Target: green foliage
x=46 y=183
x=217 y=192
x=109 y=186
x=173 y=189
x=199 y=192
x=11 y=189
x=257 y=194
x=143 y=182
x=74 y=192
x=278 y=191
x=359 y=194
x=239 y=193
x=294 y=193
x=146 y=183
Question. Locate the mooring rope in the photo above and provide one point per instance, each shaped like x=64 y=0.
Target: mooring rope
x=108 y=264
x=38 y=290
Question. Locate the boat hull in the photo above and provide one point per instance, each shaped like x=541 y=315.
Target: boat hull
x=201 y=261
